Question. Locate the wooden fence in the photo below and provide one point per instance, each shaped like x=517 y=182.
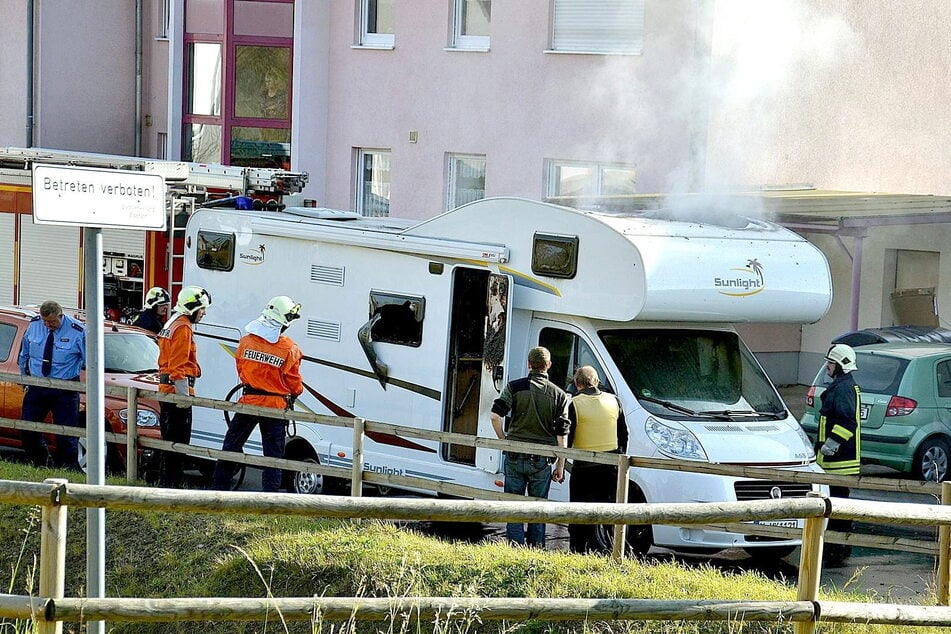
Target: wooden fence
x=357 y=476
x=51 y=608
x=813 y=536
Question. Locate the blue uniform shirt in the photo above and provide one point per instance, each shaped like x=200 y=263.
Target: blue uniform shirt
x=69 y=349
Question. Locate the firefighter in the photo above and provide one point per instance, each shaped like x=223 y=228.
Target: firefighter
x=178 y=370
x=839 y=446
x=268 y=364
x=149 y=318
x=53 y=346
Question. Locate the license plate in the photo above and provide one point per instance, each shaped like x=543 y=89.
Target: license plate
x=780 y=523
x=863 y=411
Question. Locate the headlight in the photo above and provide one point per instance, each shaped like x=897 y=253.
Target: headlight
x=144 y=418
x=676 y=443
x=804 y=437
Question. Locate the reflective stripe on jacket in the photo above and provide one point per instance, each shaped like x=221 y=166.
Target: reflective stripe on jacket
x=269 y=367
x=840 y=419
x=178 y=355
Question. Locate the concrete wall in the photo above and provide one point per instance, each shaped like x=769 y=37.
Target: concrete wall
x=86 y=76
x=878 y=278
x=155 y=52
x=516 y=104
x=13 y=61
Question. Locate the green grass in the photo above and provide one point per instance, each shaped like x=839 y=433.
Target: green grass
x=185 y=555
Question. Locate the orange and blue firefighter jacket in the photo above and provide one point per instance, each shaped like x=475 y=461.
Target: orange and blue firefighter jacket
x=178 y=355
x=270 y=372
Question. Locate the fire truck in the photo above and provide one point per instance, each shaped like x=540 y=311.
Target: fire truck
x=43 y=262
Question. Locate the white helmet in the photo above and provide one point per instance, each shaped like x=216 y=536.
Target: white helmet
x=282 y=309
x=156 y=296
x=843 y=355
x=191 y=299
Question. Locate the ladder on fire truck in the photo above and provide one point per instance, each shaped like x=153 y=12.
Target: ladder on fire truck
x=188 y=185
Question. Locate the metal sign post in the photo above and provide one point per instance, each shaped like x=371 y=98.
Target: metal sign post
x=93 y=199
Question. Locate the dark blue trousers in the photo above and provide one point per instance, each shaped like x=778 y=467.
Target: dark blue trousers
x=272 y=442
x=38 y=402
x=175 y=423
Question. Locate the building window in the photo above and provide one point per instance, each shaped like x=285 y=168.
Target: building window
x=465 y=179
x=470 y=24
x=377 y=18
x=161 y=146
x=598 y=26
x=238 y=56
x=165 y=20
x=372 y=182
x=590 y=179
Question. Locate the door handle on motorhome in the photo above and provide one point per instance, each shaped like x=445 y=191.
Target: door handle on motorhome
x=380 y=369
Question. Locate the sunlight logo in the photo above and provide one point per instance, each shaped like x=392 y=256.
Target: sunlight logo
x=747 y=280
x=253 y=256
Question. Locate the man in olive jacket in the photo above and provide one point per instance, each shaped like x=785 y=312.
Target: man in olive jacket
x=539 y=414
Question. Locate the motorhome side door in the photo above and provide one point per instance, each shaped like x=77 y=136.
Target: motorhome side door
x=497 y=336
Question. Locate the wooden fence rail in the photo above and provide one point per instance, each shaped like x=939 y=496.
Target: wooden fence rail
x=51 y=609
x=357 y=476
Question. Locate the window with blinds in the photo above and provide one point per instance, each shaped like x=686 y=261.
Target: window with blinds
x=465 y=180
x=598 y=26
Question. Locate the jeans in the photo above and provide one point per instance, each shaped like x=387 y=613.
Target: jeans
x=525 y=473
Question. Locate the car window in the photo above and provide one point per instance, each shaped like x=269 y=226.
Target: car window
x=944 y=378
x=130 y=353
x=7 y=333
x=879 y=373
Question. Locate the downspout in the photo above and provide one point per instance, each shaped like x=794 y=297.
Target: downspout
x=138 y=78
x=858 y=241
x=29 y=72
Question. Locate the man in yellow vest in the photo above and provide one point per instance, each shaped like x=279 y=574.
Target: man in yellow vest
x=596 y=424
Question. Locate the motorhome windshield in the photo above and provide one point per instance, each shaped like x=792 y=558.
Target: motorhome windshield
x=693 y=374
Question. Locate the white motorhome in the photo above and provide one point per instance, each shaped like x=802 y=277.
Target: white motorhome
x=421 y=323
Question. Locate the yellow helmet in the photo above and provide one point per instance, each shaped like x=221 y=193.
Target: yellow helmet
x=156 y=296
x=191 y=299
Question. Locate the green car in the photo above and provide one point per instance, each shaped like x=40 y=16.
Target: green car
x=906 y=407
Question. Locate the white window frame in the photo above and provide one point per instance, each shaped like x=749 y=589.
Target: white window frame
x=370 y=39
x=452 y=176
x=551 y=187
x=603 y=27
x=165 y=20
x=360 y=156
x=459 y=39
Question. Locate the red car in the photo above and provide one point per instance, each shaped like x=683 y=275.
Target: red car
x=131 y=359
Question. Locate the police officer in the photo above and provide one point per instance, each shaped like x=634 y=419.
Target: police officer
x=268 y=364
x=178 y=369
x=839 y=440
x=54 y=346
x=149 y=318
